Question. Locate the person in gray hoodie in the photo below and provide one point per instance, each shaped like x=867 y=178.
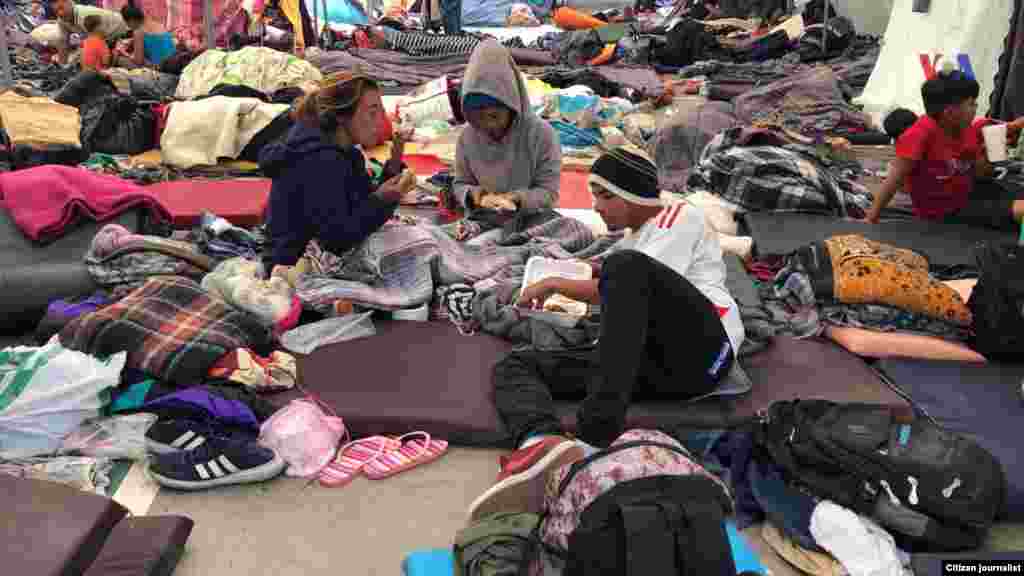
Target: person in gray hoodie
x=508 y=158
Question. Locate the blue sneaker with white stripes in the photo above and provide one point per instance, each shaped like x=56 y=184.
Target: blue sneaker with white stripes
x=170 y=436
x=216 y=462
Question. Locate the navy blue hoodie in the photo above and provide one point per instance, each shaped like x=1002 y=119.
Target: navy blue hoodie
x=319 y=191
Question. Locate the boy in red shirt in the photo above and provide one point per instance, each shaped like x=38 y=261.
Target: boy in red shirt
x=95 y=52
x=940 y=158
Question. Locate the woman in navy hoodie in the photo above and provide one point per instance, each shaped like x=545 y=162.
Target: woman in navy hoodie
x=320 y=185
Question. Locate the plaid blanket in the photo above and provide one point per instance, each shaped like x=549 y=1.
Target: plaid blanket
x=793 y=177
x=399 y=265
x=171 y=329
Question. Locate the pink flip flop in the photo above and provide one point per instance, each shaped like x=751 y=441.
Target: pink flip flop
x=352 y=458
x=414 y=449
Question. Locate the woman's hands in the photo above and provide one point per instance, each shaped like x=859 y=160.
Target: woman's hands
x=392 y=189
x=499 y=202
x=493 y=201
x=398 y=140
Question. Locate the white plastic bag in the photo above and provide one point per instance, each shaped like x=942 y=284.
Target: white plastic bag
x=115 y=437
x=81 y=472
x=303 y=436
x=47 y=392
x=308 y=337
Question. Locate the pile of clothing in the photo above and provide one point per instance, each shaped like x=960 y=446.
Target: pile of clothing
x=170 y=363
x=851 y=281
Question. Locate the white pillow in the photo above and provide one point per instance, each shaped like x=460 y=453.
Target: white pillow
x=47 y=34
x=721 y=215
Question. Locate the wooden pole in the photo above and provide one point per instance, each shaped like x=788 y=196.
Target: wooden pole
x=316 y=24
x=6 y=76
x=211 y=41
x=824 y=33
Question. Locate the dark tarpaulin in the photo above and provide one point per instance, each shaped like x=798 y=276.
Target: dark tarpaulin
x=1007 y=99
x=634 y=83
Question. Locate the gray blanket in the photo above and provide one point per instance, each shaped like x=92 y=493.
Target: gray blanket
x=400 y=265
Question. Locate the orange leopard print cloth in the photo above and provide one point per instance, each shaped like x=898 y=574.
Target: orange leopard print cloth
x=869 y=272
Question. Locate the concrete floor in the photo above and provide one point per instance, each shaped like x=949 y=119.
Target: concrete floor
x=290 y=527
x=287 y=527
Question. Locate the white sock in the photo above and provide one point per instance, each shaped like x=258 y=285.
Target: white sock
x=531 y=440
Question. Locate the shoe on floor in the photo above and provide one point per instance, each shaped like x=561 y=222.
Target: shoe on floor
x=520 y=486
x=522 y=459
x=172 y=436
x=216 y=462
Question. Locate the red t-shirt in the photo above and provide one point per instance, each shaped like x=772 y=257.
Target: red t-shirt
x=943 y=173
x=95 y=53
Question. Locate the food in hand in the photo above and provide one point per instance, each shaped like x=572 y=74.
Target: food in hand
x=498 y=202
x=407 y=182
x=561 y=304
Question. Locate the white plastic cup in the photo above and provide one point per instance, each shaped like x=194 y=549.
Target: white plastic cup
x=995 y=142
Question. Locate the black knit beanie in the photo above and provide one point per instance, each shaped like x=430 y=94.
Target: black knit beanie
x=627 y=175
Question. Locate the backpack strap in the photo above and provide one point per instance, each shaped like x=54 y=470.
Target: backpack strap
x=689 y=521
x=646 y=535
x=707 y=547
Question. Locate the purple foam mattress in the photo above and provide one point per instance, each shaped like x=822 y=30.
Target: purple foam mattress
x=427 y=376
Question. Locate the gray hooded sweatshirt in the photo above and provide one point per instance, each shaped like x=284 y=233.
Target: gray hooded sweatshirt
x=528 y=160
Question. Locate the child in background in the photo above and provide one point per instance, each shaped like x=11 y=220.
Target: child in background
x=508 y=158
x=95 y=52
x=940 y=161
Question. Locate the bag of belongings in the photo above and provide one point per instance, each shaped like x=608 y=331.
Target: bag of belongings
x=932 y=489
x=118 y=124
x=997 y=301
x=498 y=545
x=659 y=513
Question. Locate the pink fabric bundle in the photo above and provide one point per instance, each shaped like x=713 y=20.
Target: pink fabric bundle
x=45 y=200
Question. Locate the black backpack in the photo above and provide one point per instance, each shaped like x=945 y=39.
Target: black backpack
x=997 y=301
x=655 y=526
x=933 y=490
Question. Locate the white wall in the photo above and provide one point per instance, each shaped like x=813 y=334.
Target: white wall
x=868 y=16
x=974 y=27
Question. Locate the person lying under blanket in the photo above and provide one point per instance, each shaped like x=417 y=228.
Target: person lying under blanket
x=940 y=161
x=320 y=186
x=874 y=299
x=508 y=158
x=669 y=327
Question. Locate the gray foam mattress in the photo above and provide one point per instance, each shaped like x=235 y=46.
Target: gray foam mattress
x=779 y=233
x=33 y=274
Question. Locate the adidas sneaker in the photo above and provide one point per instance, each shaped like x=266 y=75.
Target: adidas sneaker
x=171 y=436
x=218 y=461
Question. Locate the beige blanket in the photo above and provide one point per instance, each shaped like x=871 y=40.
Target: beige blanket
x=38 y=121
x=200 y=133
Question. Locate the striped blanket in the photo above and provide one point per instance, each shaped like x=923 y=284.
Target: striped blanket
x=171 y=329
x=400 y=265
x=419 y=43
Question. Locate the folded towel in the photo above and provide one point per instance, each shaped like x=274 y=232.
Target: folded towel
x=434 y=562
x=743 y=555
